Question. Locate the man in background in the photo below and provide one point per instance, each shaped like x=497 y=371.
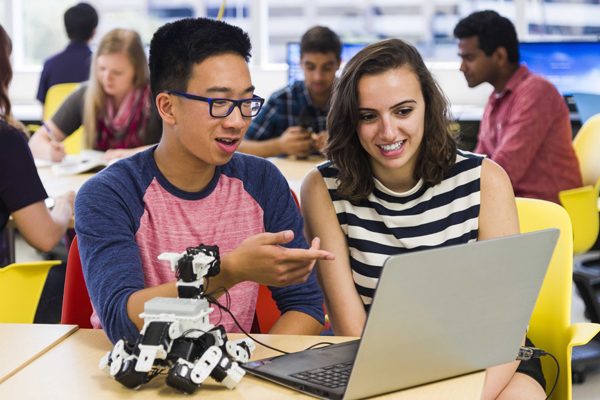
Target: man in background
x=293 y=122
x=525 y=126
x=73 y=63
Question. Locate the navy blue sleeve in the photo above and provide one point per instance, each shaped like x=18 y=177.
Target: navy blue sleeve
x=107 y=212
x=44 y=84
x=282 y=213
x=20 y=184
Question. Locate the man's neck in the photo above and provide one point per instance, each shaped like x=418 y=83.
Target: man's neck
x=319 y=101
x=503 y=77
x=182 y=169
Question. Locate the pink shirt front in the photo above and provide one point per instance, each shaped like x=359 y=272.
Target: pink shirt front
x=526 y=129
x=170 y=224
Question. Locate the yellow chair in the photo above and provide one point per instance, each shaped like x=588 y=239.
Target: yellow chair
x=550 y=326
x=582 y=203
x=21 y=286
x=54 y=98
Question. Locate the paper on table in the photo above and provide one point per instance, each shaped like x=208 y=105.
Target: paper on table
x=86 y=161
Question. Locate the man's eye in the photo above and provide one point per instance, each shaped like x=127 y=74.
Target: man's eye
x=221 y=103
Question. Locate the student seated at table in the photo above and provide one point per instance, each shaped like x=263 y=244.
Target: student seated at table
x=293 y=120
x=396 y=183
x=21 y=192
x=194 y=188
x=115 y=106
x=73 y=63
x=526 y=127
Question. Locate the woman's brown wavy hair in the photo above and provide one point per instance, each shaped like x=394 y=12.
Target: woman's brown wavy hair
x=437 y=151
x=6 y=73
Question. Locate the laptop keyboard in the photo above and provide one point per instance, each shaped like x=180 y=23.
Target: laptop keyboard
x=332 y=376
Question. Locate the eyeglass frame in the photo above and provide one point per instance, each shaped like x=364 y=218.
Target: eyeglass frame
x=209 y=100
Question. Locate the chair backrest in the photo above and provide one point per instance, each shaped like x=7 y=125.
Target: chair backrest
x=54 y=97
x=550 y=322
x=582 y=206
x=76 y=307
x=587 y=148
x=21 y=286
x=587 y=105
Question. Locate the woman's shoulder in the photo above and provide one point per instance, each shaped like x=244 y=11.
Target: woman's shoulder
x=11 y=137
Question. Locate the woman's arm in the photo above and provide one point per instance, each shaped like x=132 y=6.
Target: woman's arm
x=41 y=227
x=497 y=217
x=344 y=305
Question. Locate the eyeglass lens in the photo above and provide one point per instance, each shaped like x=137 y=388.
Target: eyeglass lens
x=224 y=107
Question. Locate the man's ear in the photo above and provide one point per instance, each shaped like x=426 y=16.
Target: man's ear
x=500 y=56
x=165 y=107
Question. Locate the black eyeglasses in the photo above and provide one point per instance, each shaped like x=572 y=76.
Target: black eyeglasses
x=220 y=108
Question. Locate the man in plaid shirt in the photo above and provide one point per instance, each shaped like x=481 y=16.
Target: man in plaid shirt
x=293 y=121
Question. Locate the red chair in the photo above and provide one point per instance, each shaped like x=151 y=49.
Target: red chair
x=76 y=307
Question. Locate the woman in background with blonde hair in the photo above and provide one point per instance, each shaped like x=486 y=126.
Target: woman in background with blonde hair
x=114 y=107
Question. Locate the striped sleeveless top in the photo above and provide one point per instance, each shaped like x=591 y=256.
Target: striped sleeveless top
x=422 y=218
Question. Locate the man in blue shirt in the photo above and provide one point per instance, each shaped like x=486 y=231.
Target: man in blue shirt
x=293 y=121
x=73 y=63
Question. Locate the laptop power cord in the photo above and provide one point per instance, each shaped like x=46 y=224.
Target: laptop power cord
x=528 y=353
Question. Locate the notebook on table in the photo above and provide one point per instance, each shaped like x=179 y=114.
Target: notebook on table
x=436 y=314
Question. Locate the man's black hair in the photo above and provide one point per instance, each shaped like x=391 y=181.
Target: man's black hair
x=492 y=30
x=81 y=21
x=320 y=39
x=177 y=46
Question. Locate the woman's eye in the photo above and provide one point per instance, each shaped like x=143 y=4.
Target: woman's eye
x=404 y=111
x=366 y=117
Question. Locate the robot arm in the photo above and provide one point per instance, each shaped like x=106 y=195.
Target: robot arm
x=192 y=266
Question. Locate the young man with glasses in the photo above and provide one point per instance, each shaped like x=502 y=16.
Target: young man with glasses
x=194 y=188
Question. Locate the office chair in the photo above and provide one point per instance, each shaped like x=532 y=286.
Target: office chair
x=21 y=286
x=550 y=326
x=76 y=307
x=582 y=206
x=588 y=104
x=54 y=97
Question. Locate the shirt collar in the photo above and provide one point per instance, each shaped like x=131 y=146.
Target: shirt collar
x=521 y=73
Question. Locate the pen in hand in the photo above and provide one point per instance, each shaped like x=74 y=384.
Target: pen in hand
x=57 y=151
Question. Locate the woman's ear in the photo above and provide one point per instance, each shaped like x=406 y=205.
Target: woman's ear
x=165 y=107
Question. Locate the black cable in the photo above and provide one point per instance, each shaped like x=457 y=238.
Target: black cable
x=557 y=374
x=214 y=301
x=527 y=353
x=325 y=344
x=211 y=299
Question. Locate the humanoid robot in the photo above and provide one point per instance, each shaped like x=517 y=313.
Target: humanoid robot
x=177 y=334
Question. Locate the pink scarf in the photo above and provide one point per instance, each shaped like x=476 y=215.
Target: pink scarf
x=124 y=128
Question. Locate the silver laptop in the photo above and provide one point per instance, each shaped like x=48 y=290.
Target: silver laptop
x=436 y=314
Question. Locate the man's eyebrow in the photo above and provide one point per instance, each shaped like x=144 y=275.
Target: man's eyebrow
x=223 y=89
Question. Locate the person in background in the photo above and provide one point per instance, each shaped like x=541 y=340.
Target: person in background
x=21 y=192
x=195 y=188
x=115 y=106
x=73 y=63
x=525 y=126
x=397 y=183
x=293 y=120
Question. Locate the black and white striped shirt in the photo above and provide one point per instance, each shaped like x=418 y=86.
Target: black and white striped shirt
x=390 y=223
